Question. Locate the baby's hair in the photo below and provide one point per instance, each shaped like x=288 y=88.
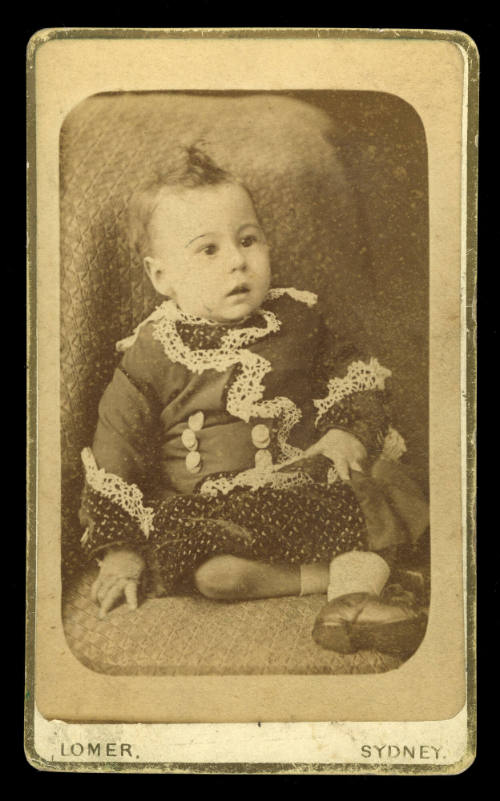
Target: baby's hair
x=195 y=169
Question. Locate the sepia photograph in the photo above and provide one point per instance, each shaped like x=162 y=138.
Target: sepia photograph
x=241 y=318
x=240 y=451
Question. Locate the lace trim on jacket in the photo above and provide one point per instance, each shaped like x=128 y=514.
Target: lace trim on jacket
x=254 y=479
x=169 y=309
x=360 y=376
x=128 y=496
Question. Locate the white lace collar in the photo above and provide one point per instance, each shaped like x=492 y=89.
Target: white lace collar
x=170 y=311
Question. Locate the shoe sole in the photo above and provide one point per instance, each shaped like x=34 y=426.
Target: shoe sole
x=401 y=638
x=334 y=638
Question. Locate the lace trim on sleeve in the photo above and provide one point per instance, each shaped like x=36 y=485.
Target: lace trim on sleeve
x=360 y=376
x=128 y=496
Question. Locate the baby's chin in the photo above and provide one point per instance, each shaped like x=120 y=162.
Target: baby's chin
x=232 y=312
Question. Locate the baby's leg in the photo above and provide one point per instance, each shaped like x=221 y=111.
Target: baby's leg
x=232 y=578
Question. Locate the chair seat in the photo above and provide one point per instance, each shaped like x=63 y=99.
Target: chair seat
x=190 y=635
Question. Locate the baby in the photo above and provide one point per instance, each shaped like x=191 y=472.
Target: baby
x=238 y=443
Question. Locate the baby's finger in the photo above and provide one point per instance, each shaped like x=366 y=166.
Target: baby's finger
x=355 y=465
x=100 y=587
x=342 y=466
x=131 y=593
x=95 y=589
x=106 y=585
x=112 y=596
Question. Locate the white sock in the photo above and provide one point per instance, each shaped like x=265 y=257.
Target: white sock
x=357 y=571
x=313 y=578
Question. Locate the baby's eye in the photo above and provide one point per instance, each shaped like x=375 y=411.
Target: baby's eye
x=209 y=250
x=249 y=240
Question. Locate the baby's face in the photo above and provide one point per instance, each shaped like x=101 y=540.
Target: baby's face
x=209 y=252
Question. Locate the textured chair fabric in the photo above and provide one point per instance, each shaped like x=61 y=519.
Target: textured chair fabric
x=339 y=183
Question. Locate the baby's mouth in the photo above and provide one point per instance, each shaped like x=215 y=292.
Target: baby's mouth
x=241 y=289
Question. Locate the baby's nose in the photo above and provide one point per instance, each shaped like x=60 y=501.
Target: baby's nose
x=237 y=260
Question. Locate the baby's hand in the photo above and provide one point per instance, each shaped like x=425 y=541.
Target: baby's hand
x=119 y=576
x=343 y=449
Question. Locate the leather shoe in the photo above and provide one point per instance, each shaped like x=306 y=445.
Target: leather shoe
x=362 y=621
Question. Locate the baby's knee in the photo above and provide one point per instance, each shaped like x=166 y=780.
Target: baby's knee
x=223 y=578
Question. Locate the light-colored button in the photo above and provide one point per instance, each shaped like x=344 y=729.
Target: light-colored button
x=196 y=421
x=260 y=436
x=193 y=462
x=189 y=440
x=263 y=460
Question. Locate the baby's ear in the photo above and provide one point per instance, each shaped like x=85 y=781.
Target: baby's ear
x=157 y=275
x=149 y=266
